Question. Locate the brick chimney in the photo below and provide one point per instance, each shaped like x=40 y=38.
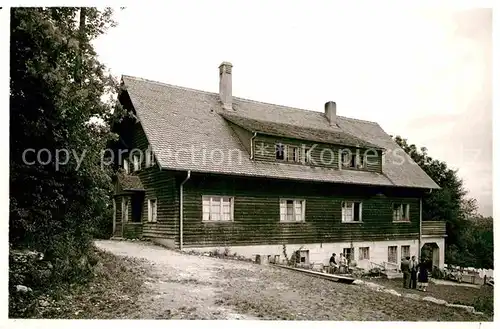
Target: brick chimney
x=226 y=85
x=331 y=112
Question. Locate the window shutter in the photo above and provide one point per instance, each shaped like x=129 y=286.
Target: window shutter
x=343 y=212
x=206 y=208
x=149 y=211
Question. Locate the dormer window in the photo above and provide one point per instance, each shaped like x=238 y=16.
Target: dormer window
x=348 y=159
x=352 y=160
x=280 y=151
x=293 y=154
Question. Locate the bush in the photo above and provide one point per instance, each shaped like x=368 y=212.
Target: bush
x=485 y=302
x=437 y=273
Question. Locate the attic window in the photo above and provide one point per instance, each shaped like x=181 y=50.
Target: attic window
x=348 y=159
x=352 y=160
x=280 y=151
x=292 y=154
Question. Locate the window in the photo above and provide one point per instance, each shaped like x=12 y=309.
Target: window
x=137 y=162
x=350 y=159
x=152 y=210
x=401 y=212
x=364 y=253
x=149 y=157
x=280 y=151
x=292 y=154
x=292 y=210
x=361 y=160
x=126 y=166
x=218 y=208
x=307 y=154
x=392 y=254
x=349 y=253
x=124 y=209
x=405 y=251
x=351 y=211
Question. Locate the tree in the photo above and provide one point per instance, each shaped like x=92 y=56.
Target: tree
x=58 y=189
x=468 y=243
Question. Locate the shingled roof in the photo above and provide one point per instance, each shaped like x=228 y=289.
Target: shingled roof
x=187 y=131
x=332 y=136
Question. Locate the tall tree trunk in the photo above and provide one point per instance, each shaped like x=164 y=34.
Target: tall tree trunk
x=81 y=32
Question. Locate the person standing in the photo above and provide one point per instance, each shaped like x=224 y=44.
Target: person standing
x=405 y=268
x=342 y=263
x=423 y=275
x=413 y=273
x=333 y=263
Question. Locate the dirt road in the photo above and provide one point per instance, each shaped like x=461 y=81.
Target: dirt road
x=181 y=286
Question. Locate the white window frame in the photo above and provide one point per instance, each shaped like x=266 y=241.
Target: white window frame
x=307 y=154
x=283 y=147
x=395 y=257
x=290 y=156
x=398 y=215
x=126 y=166
x=152 y=215
x=212 y=199
x=149 y=157
x=360 y=160
x=364 y=253
x=137 y=162
x=295 y=217
x=125 y=203
x=345 y=218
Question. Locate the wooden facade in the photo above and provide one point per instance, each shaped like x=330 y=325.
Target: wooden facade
x=257 y=212
x=256 y=202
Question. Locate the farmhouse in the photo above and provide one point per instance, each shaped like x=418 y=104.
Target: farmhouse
x=201 y=170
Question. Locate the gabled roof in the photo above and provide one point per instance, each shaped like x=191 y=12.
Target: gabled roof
x=187 y=131
x=128 y=182
x=332 y=136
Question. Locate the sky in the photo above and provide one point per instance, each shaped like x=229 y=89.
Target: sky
x=422 y=74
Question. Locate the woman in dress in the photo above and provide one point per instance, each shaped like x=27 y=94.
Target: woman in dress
x=423 y=275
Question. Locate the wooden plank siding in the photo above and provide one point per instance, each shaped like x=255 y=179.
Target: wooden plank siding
x=158 y=184
x=257 y=217
x=434 y=228
x=118 y=226
x=323 y=155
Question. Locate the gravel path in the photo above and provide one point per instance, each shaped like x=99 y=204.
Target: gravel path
x=182 y=286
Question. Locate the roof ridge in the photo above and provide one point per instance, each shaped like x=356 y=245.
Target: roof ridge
x=240 y=98
x=168 y=84
x=230 y=116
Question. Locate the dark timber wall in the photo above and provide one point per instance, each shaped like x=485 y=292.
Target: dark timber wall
x=158 y=184
x=257 y=217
